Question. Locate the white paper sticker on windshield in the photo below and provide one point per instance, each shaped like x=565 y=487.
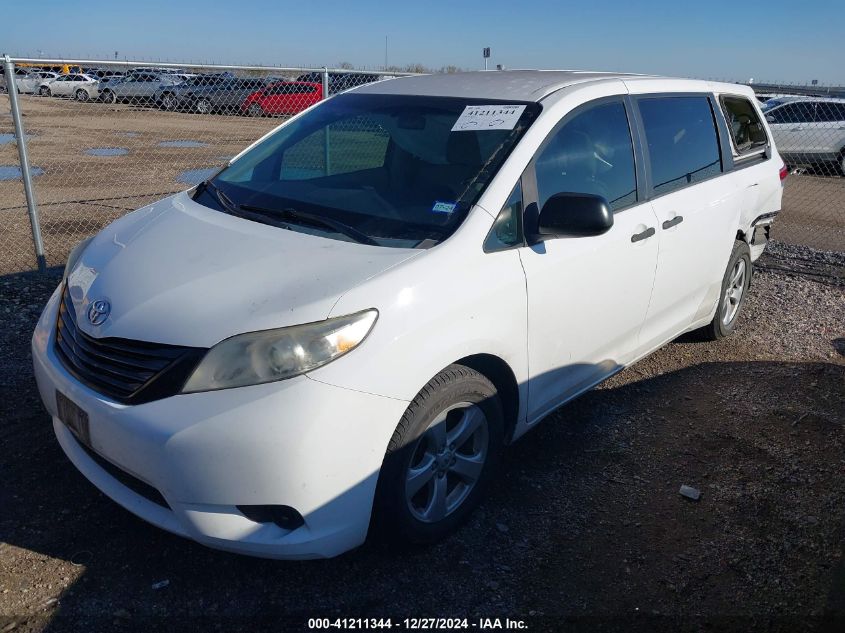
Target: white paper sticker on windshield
x=488 y=117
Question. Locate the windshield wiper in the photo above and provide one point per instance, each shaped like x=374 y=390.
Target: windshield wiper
x=224 y=200
x=288 y=215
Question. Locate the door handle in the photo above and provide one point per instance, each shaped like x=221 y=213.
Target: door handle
x=644 y=235
x=668 y=224
x=795 y=129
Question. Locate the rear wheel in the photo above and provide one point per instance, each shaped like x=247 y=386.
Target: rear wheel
x=255 y=109
x=44 y=91
x=842 y=162
x=441 y=457
x=203 y=106
x=732 y=297
x=109 y=97
x=82 y=95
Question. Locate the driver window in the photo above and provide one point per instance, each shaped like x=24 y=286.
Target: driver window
x=592 y=153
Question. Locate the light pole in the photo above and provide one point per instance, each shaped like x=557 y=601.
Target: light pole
x=486 y=53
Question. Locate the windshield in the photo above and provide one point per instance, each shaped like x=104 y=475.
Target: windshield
x=389 y=167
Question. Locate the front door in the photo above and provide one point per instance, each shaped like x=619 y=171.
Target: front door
x=587 y=296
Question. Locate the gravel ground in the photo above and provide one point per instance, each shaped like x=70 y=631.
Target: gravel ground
x=584 y=528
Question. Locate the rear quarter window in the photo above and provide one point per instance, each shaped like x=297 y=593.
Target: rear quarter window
x=748 y=136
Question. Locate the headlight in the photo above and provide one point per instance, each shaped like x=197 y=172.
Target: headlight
x=269 y=355
x=74 y=255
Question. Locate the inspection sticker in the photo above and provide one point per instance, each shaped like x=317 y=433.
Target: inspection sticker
x=443 y=207
x=488 y=117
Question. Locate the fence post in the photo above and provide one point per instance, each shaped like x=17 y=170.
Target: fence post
x=327 y=155
x=20 y=134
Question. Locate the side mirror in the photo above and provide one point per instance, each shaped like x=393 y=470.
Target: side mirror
x=573 y=215
x=770 y=118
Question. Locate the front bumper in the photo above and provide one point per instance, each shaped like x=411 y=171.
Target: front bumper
x=299 y=442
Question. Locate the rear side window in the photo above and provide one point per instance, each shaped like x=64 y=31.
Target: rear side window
x=683 y=146
x=591 y=153
x=796 y=112
x=747 y=131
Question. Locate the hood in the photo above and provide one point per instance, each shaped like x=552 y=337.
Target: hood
x=179 y=273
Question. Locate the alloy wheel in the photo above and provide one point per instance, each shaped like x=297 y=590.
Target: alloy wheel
x=733 y=292
x=447 y=462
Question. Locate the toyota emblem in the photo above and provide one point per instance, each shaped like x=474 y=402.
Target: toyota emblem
x=98 y=311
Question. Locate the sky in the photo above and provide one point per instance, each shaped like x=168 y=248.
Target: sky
x=777 y=40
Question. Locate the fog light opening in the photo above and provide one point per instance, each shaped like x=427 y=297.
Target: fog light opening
x=284 y=516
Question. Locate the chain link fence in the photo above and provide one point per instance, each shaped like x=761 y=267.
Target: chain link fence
x=104 y=138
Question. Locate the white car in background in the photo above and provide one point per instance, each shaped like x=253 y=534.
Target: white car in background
x=26 y=80
x=77 y=86
x=350 y=325
x=808 y=130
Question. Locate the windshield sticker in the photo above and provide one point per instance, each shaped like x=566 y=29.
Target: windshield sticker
x=443 y=207
x=488 y=117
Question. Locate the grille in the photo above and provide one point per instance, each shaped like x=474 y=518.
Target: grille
x=131 y=372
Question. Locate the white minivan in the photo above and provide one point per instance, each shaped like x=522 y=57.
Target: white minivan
x=344 y=326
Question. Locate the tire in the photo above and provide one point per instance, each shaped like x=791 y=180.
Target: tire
x=203 y=106
x=109 y=97
x=255 y=109
x=450 y=478
x=169 y=101
x=842 y=162
x=82 y=95
x=45 y=91
x=732 y=294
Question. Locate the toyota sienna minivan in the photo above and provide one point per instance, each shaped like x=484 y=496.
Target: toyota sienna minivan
x=344 y=326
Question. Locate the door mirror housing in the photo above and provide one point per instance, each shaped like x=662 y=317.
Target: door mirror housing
x=573 y=215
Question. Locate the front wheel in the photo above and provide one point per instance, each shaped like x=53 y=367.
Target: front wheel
x=255 y=109
x=441 y=457
x=44 y=91
x=82 y=95
x=732 y=296
x=109 y=97
x=169 y=101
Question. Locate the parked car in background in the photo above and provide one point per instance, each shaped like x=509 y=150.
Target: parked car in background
x=282 y=97
x=78 y=86
x=136 y=87
x=338 y=82
x=809 y=130
x=208 y=93
x=345 y=326
x=27 y=80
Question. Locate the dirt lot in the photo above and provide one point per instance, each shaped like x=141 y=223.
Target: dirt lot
x=584 y=529
x=78 y=193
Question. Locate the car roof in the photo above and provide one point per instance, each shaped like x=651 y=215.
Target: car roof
x=523 y=85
